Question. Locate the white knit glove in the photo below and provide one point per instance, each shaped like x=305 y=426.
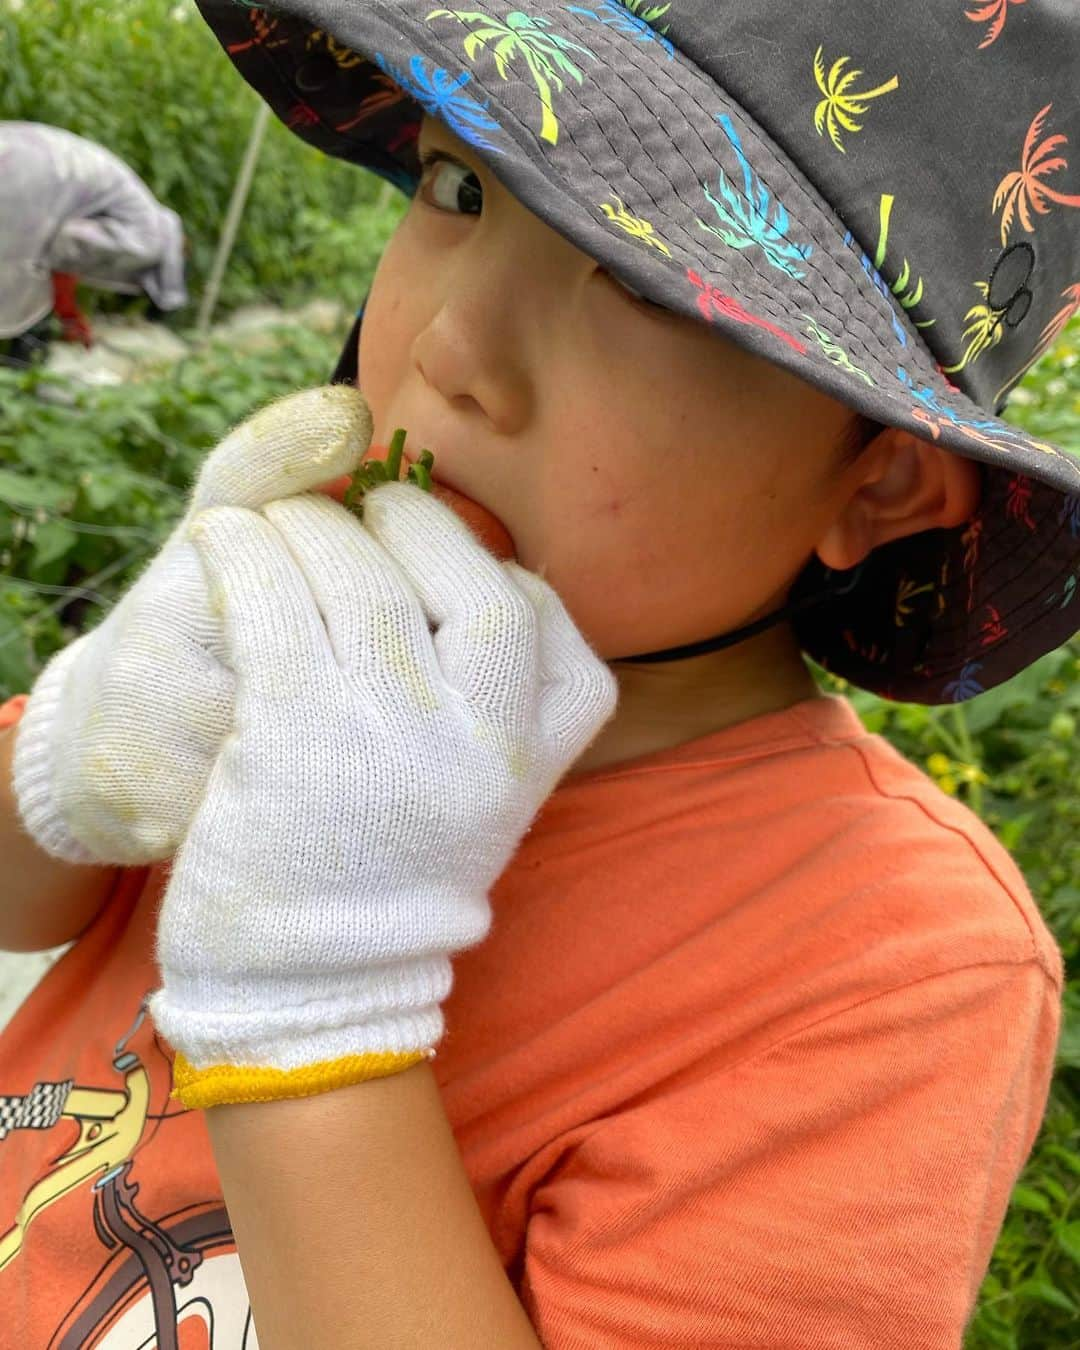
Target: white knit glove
x=377 y=781
x=122 y=727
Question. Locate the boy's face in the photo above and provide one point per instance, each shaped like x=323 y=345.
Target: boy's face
x=666 y=483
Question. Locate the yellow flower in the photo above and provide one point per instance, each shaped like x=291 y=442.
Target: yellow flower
x=948 y=784
x=971 y=773
x=939 y=764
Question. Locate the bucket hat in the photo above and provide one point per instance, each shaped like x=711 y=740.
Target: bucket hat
x=882 y=199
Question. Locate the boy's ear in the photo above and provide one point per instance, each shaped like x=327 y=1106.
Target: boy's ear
x=901 y=485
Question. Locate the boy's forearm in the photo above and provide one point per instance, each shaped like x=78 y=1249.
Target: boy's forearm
x=356 y=1223
x=43 y=901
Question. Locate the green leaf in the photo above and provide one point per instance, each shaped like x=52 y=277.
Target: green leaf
x=17 y=489
x=1064 y=1155
x=1025 y=1197
x=1044 y=1291
x=1054 y=1188
x=18 y=670
x=52 y=540
x=987 y=709
x=1068 y=1239
x=1010 y=832
x=102 y=489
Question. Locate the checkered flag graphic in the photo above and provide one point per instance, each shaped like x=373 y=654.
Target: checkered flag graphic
x=39 y=1109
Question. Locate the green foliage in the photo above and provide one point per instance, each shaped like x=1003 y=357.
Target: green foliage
x=1047 y=402
x=151 y=83
x=92 y=480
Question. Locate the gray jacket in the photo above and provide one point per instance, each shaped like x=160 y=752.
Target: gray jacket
x=69 y=205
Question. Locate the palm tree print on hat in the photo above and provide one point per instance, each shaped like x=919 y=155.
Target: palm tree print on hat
x=990 y=320
x=1070 y=511
x=911 y=298
x=972 y=542
x=634 y=225
x=748 y=217
x=387 y=94
x=930 y=411
x=1021 y=189
x=838 y=106
x=832 y=349
x=908 y=299
x=1067 y=592
x=624 y=14
x=995 y=10
x=906 y=591
x=1018 y=500
x=343 y=57
x=879 y=283
x=647 y=15
x=967 y=686
x=522 y=34
x=972 y=430
x=264 y=29
x=713 y=299
x=439 y=95
x=929 y=398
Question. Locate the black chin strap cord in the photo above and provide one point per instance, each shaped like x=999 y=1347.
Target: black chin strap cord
x=849 y=581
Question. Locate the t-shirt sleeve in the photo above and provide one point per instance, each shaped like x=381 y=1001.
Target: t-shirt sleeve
x=843 y=1188
x=12 y=710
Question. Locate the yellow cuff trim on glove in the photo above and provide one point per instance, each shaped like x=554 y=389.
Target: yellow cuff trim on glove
x=220 y=1084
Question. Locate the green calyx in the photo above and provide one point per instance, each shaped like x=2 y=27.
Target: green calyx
x=371 y=473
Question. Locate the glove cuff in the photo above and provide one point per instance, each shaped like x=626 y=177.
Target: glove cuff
x=383 y=1019
x=32 y=765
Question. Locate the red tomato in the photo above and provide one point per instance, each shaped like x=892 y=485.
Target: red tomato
x=488 y=529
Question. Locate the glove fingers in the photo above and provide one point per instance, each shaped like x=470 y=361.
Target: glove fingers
x=292 y=445
x=144 y=717
x=275 y=640
x=377 y=628
x=485 y=629
x=579 y=694
x=132 y=791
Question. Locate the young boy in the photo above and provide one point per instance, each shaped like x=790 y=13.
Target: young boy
x=763 y=1030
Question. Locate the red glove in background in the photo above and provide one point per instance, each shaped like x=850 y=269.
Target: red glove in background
x=76 y=327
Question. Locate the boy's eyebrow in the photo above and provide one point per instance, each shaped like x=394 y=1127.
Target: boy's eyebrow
x=450 y=152
x=436 y=155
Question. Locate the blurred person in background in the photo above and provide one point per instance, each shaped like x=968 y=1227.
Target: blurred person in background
x=70 y=212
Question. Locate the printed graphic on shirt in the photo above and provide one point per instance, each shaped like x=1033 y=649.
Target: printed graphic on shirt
x=163 y=1279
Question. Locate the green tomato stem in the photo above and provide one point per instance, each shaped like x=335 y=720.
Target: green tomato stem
x=393 y=459
x=369 y=474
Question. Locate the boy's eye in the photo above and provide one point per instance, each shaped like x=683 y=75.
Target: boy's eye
x=461 y=193
x=457 y=196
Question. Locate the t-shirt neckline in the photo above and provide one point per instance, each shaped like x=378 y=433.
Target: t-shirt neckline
x=825 y=718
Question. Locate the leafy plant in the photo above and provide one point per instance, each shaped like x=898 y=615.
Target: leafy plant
x=93 y=480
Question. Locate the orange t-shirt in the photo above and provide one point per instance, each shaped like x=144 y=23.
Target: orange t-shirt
x=753 y=1054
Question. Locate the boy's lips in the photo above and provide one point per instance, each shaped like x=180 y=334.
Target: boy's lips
x=484 y=524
